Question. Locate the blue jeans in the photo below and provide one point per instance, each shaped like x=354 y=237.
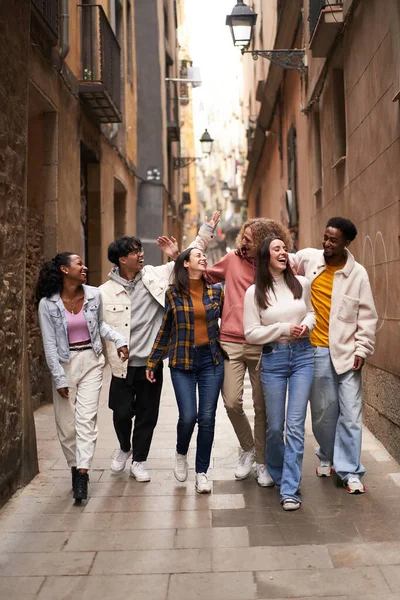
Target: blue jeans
x=290 y=365
x=208 y=378
x=336 y=410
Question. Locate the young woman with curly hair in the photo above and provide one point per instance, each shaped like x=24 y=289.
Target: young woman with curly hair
x=71 y=323
x=238 y=269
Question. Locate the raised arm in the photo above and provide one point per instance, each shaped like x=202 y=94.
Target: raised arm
x=169 y=245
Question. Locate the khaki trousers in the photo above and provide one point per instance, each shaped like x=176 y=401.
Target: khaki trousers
x=242 y=357
x=76 y=416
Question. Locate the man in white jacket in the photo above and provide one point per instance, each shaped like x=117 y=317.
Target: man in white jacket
x=133 y=304
x=344 y=336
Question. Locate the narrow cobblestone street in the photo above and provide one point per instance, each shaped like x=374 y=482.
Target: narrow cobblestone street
x=162 y=541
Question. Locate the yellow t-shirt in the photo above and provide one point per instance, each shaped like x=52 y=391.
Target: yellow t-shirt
x=321 y=294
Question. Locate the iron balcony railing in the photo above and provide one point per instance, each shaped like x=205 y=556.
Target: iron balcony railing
x=100 y=81
x=173 y=111
x=315 y=9
x=47 y=12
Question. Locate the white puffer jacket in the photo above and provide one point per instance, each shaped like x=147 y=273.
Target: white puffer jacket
x=353 y=317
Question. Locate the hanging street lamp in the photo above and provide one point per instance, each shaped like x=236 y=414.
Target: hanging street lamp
x=206 y=142
x=241 y=23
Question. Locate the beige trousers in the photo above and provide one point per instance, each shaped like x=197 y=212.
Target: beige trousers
x=242 y=357
x=76 y=417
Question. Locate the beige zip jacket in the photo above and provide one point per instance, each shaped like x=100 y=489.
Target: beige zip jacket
x=353 y=316
x=117 y=305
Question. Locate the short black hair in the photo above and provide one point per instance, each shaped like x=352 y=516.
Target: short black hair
x=348 y=228
x=122 y=247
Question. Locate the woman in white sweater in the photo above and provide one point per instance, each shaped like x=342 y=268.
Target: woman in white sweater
x=278 y=315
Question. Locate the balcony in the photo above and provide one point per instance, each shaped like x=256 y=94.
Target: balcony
x=173 y=125
x=45 y=13
x=100 y=78
x=326 y=20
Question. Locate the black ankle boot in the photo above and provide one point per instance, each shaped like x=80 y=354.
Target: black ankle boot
x=81 y=486
x=73 y=473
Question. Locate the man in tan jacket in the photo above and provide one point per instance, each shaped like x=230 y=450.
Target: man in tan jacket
x=343 y=338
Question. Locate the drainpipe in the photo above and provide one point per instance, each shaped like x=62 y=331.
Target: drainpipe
x=64 y=30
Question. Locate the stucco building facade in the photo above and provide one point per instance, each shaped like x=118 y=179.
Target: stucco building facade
x=327 y=142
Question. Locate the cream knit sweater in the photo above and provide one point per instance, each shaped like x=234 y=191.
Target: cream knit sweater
x=273 y=323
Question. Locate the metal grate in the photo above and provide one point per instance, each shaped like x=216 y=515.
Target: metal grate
x=48 y=12
x=100 y=81
x=315 y=9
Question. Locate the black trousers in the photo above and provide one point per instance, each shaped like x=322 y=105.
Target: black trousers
x=135 y=397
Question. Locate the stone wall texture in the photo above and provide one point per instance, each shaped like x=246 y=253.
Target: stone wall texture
x=14 y=387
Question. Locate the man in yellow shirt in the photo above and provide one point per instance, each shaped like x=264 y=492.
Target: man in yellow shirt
x=343 y=338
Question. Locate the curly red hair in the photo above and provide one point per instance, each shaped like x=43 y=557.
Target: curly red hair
x=262 y=228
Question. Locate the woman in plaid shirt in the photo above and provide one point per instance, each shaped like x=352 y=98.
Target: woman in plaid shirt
x=190 y=330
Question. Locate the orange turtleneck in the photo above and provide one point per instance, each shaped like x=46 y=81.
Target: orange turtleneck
x=200 y=322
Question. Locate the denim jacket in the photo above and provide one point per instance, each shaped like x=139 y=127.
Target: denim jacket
x=54 y=328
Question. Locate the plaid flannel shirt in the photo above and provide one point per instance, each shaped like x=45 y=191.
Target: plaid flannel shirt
x=177 y=328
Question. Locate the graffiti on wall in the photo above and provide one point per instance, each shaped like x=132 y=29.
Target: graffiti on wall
x=375 y=260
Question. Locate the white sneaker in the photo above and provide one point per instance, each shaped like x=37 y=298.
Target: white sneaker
x=245 y=463
x=354 y=485
x=263 y=477
x=181 y=467
x=139 y=472
x=324 y=468
x=203 y=485
x=119 y=459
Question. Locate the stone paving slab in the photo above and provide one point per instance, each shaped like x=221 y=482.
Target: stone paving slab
x=98 y=587
x=162 y=541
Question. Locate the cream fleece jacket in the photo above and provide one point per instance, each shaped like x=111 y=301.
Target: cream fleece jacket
x=353 y=318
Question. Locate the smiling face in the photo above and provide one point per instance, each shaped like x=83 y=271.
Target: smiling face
x=132 y=263
x=196 y=264
x=334 y=244
x=248 y=248
x=76 y=271
x=278 y=257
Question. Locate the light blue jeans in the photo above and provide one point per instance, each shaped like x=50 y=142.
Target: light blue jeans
x=287 y=365
x=336 y=410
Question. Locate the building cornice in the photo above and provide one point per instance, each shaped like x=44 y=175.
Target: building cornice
x=285 y=35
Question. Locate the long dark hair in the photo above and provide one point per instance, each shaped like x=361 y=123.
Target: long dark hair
x=264 y=279
x=181 y=275
x=50 y=280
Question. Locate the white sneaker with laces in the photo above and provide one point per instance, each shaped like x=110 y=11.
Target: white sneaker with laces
x=203 y=485
x=119 y=459
x=181 y=467
x=245 y=463
x=291 y=504
x=139 y=472
x=324 y=468
x=354 y=485
x=263 y=477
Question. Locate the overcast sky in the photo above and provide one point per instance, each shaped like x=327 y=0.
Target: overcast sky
x=212 y=50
